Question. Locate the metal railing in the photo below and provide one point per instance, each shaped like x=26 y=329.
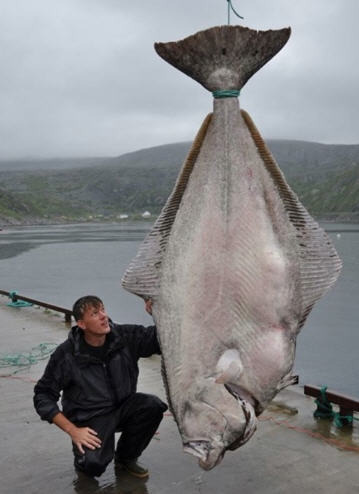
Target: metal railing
x=15 y=297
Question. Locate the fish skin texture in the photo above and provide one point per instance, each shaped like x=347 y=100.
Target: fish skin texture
x=234 y=264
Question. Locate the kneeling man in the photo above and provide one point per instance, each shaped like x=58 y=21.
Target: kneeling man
x=96 y=370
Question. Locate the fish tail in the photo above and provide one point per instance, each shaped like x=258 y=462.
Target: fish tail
x=223 y=57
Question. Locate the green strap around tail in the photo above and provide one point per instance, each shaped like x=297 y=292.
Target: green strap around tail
x=226 y=93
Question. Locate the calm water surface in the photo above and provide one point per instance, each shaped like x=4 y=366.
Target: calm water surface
x=58 y=264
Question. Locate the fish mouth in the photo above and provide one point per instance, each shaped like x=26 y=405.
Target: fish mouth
x=199 y=448
x=210 y=453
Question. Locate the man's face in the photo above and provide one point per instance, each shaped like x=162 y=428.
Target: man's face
x=94 y=321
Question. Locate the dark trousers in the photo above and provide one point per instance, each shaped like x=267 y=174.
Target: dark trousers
x=137 y=418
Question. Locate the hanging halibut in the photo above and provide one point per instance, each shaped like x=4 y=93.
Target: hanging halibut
x=234 y=262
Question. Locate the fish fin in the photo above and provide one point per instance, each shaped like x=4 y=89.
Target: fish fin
x=223 y=57
x=241 y=393
x=319 y=262
x=167 y=391
x=142 y=277
x=287 y=380
x=229 y=367
x=251 y=426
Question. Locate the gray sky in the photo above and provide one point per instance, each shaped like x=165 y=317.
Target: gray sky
x=81 y=77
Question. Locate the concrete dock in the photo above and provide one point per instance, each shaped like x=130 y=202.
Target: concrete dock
x=290 y=452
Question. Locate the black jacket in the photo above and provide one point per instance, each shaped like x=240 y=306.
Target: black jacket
x=90 y=386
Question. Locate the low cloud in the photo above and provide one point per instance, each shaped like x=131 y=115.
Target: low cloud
x=81 y=78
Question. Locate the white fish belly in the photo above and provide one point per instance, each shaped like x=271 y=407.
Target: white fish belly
x=229 y=277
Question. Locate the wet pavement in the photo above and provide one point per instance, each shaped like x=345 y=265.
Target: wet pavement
x=290 y=452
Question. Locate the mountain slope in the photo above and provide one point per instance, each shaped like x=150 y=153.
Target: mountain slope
x=325 y=177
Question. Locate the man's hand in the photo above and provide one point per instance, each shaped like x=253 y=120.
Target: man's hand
x=81 y=436
x=84 y=436
x=148 y=306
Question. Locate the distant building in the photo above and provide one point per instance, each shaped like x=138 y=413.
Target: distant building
x=146 y=214
x=122 y=216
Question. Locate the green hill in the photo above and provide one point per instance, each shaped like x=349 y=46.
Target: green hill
x=326 y=178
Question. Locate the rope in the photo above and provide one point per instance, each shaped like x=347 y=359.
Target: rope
x=226 y=93
x=27 y=359
x=325 y=410
x=230 y=6
x=15 y=302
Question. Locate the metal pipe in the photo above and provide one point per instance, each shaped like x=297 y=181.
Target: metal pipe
x=66 y=312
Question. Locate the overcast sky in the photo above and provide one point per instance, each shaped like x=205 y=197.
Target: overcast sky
x=81 y=77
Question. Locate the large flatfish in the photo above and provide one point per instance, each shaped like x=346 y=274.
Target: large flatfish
x=234 y=263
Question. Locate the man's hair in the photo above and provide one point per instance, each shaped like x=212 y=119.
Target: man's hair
x=82 y=304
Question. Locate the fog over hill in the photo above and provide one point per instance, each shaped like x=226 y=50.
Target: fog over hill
x=326 y=178
x=292 y=155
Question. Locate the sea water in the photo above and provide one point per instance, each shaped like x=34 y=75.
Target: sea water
x=58 y=264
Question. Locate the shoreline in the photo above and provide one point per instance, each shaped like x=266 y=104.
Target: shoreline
x=7 y=223
x=149 y=221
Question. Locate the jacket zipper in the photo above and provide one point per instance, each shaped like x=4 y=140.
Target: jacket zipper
x=108 y=381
